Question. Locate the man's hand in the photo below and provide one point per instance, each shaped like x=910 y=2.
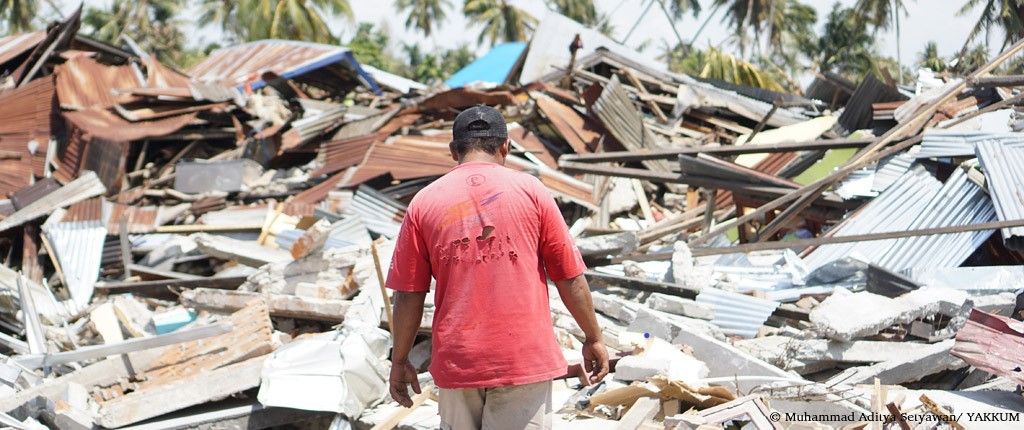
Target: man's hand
x=595 y=360
x=403 y=373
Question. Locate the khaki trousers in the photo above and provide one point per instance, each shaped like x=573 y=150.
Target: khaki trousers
x=514 y=407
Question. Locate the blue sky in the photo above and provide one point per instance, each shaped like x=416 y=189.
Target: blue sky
x=926 y=20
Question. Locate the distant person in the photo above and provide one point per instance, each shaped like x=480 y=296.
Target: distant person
x=490 y=236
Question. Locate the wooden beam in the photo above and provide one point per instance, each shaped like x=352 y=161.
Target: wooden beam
x=137 y=344
x=674 y=153
x=281 y=305
x=165 y=288
x=645 y=408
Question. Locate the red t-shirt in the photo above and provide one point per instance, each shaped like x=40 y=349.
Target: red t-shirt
x=487 y=234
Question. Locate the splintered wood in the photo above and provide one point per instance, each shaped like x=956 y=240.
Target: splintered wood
x=194 y=372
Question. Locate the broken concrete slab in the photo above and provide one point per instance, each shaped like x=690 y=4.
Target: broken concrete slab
x=926 y=361
x=771 y=348
x=659 y=357
x=725 y=360
x=333 y=267
x=201 y=176
x=615 y=307
x=684 y=272
x=608 y=244
x=281 y=305
x=679 y=306
x=845 y=316
x=668 y=326
x=245 y=252
x=312 y=240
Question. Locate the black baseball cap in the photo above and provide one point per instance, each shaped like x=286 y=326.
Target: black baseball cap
x=479 y=121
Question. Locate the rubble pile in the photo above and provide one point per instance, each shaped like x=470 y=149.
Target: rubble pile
x=206 y=248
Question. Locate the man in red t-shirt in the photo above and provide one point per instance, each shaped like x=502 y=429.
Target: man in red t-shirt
x=490 y=236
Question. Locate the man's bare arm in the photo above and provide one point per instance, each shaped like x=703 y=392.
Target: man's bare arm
x=408 y=314
x=575 y=294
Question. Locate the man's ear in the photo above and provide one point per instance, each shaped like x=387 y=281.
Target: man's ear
x=452 y=151
x=505 y=148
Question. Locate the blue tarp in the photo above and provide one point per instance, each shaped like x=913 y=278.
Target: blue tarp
x=493 y=67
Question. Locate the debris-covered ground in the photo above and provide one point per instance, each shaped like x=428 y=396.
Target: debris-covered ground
x=205 y=248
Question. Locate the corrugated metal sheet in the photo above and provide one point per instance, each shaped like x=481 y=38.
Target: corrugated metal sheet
x=959 y=202
x=916 y=202
x=243 y=65
x=406 y=157
x=338 y=155
x=737 y=314
x=892 y=169
x=1004 y=174
x=29 y=114
x=78 y=246
x=305 y=129
x=85 y=187
x=858 y=111
x=892 y=210
x=537 y=151
x=461 y=98
x=302 y=203
x=624 y=121
x=945 y=143
x=31 y=193
x=381 y=214
x=104 y=124
x=578 y=131
x=16 y=45
x=992 y=343
x=83 y=83
x=348 y=231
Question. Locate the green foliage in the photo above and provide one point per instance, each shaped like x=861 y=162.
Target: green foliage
x=501 y=21
x=248 y=20
x=681 y=7
x=370 y=46
x=714 y=64
x=845 y=47
x=1006 y=15
x=785 y=26
x=423 y=14
x=17 y=15
x=880 y=14
x=929 y=58
x=581 y=11
x=972 y=59
x=432 y=68
x=153 y=24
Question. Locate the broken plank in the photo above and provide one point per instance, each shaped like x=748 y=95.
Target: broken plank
x=281 y=305
x=99 y=351
x=645 y=408
x=940 y=412
x=163 y=288
x=249 y=415
x=181 y=393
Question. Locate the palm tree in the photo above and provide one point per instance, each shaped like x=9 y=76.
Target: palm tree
x=1008 y=15
x=845 y=46
x=681 y=7
x=782 y=21
x=790 y=30
x=501 y=21
x=423 y=14
x=880 y=14
x=17 y=15
x=275 y=19
x=153 y=24
x=930 y=58
x=581 y=11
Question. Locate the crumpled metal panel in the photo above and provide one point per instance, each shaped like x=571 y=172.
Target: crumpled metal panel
x=104 y=124
x=737 y=314
x=243 y=65
x=17 y=44
x=959 y=202
x=1004 y=174
x=894 y=209
x=78 y=246
x=83 y=83
x=380 y=213
x=992 y=343
x=946 y=143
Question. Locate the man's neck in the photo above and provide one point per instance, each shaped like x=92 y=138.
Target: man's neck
x=480 y=156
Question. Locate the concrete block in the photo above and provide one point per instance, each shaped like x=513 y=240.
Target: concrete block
x=312 y=240
x=684 y=272
x=845 y=316
x=667 y=326
x=615 y=307
x=660 y=358
x=724 y=359
x=608 y=244
x=679 y=306
x=909 y=367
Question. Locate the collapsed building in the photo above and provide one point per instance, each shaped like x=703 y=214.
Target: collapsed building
x=204 y=248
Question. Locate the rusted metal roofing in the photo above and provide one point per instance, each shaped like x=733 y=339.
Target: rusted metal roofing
x=302 y=201
x=16 y=45
x=461 y=98
x=341 y=154
x=243 y=65
x=83 y=83
x=406 y=158
x=28 y=114
x=532 y=143
x=578 y=131
x=104 y=124
x=992 y=343
x=31 y=193
x=141 y=219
